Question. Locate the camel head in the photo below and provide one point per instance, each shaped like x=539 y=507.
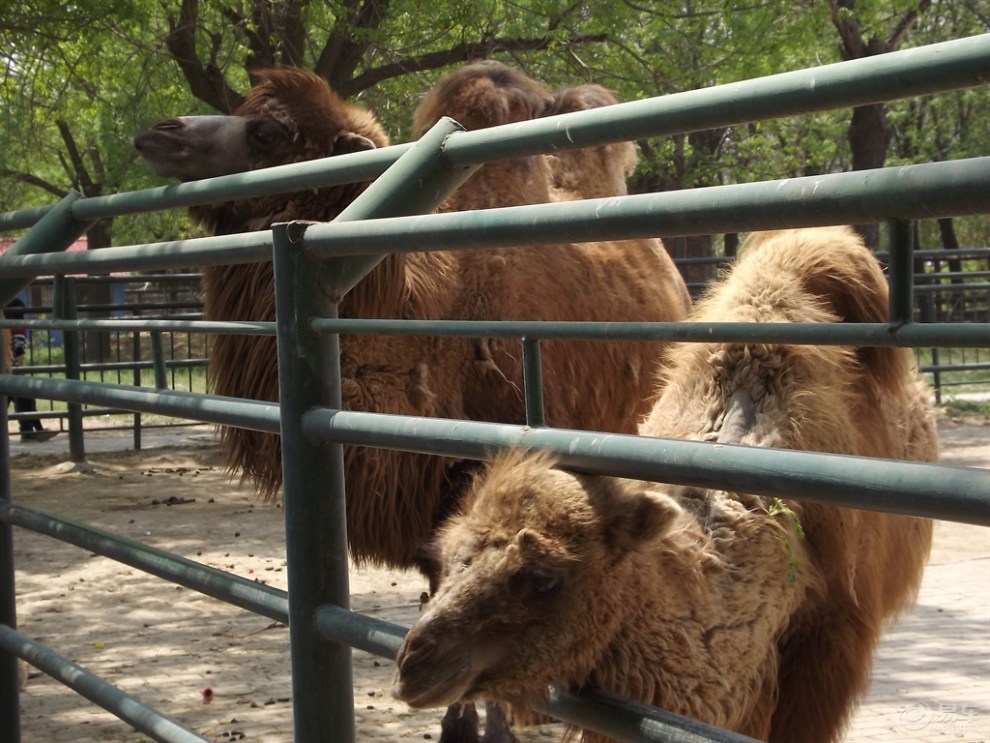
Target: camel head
x=290 y=115
x=525 y=598
x=589 y=172
x=482 y=95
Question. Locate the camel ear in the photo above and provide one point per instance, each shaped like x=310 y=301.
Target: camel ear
x=634 y=514
x=348 y=142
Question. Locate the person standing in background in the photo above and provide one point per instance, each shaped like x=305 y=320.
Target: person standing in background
x=31 y=428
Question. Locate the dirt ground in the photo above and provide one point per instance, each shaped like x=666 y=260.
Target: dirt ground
x=167 y=644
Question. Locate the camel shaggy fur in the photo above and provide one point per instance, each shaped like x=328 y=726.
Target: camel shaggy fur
x=589 y=172
x=708 y=603
x=397 y=499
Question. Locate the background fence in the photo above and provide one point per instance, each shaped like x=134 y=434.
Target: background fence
x=314 y=428
x=177 y=360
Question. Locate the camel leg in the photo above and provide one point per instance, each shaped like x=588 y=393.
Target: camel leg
x=460 y=724
x=825 y=668
x=497 y=728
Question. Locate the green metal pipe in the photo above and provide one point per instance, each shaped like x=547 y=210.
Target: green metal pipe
x=65 y=308
x=933 y=491
x=128 y=708
x=360 y=166
x=901 y=272
x=227 y=411
x=631 y=722
x=176 y=326
x=950 y=65
x=608 y=714
x=136 y=381
x=418 y=182
x=250 y=247
x=360 y=631
x=113 y=366
x=948 y=335
x=945 y=335
x=930 y=191
x=533 y=381
x=54 y=232
x=158 y=360
x=10 y=705
x=935 y=68
x=313 y=499
x=246 y=594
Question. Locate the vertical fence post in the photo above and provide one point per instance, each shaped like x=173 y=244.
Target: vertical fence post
x=313 y=474
x=533 y=382
x=901 y=272
x=10 y=703
x=313 y=497
x=136 y=381
x=158 y=360
x=65 y=308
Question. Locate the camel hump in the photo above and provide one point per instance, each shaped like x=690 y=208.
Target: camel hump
x=833 y=265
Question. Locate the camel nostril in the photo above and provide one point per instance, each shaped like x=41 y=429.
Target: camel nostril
x=415 y=651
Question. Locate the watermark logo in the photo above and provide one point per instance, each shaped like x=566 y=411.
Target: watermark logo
x=943 y=718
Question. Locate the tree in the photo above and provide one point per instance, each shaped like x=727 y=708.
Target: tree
x=72 y=103
x=869 y=131
x=357 y=44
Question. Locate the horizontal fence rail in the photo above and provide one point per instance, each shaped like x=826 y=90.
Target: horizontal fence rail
x=935 y=491
x=128 y=708
x=410 y=179
x=951 y=65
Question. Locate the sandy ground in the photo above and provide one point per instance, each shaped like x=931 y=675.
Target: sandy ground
x=167 y=644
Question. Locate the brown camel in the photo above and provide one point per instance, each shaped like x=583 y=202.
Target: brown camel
x=755 y=614
x=589 y=172
x=397 y=499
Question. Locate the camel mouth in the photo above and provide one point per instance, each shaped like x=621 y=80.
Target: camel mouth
x=163 y=155
x=429 y=675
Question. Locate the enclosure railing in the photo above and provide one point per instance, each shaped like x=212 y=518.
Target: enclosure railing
x=127 y=351
x=413 y=179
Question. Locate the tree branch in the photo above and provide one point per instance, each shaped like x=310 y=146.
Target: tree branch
x=896 y=37
x=32 y=180
x=344 y=48
x=460 y=53
x=77 y=168
x=206 y=82
x=848 y=28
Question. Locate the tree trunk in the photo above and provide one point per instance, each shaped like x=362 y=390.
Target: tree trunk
x=947 y=231
x=96 y=344
x=869 y=136
x=697 y=272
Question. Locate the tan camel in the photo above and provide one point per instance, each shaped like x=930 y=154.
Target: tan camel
x=755 y=614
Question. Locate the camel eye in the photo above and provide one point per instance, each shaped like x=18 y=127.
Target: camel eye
x=265 y=133
x=537 y=583
x=544 y=585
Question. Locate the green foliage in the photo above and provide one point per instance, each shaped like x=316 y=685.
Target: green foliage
x=778 y=507
x=80 y=79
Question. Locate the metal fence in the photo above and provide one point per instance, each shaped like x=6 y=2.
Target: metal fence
x=411 y=180
x=178 y=359
x=943 y=292
x=135 y=355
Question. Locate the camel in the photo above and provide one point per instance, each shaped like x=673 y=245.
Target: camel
x=397 y=499
x=755 y=614
x=589 y=172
